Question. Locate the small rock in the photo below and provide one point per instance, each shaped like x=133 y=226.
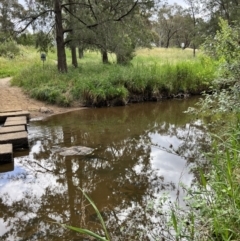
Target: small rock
x=45 y=110
x=74 y=151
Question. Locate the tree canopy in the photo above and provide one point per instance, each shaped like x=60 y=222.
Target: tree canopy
x=112 y=26
x=70 y=20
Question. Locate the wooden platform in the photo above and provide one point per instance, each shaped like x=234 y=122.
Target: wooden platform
x=13 y=135
x=17 y=118
x=7 y=167
x=16 y=121
x=4 y=115
x=12 y=129
x=18 y=139
x=6 y=153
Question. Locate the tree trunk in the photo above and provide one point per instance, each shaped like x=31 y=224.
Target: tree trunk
x=73 y=43
x=61 y=55
x=80 y=52
x=120 y=59
x=104 y=56
x=74 y=56
x=167 y=43
x=194 y=50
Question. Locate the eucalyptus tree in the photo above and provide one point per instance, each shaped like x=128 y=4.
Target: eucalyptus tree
x=225 y=9
x=119 y=37
x=53 y=14
x=137 y=34
x=9 y=13
x=72 y=43
x=183 y=37
x=168 y=22
x=194 y=10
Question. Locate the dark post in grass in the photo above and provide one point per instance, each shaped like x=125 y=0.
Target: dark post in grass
x=43 y=58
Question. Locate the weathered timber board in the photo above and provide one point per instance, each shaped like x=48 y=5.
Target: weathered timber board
x=12 y=129
x=7 y=167
x=17 y=118
x=4 y=115
x=6 y=153
x=18 y=139
x=15 y=123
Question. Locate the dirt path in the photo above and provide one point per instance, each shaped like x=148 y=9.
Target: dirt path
x=13 y=98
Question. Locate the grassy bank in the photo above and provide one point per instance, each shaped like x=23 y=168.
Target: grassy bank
x=213 y=204
x=153 y=74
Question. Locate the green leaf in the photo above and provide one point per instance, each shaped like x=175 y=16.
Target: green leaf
x=98 y=214
x=85 y=231
x=203 y=179
x=174 y=220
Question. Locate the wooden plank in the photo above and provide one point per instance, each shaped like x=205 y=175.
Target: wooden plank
x=7 y=167
x=18 y=139
x=17 y=118
x=16 y=123
x=11 y=129
x=10 y=110
x=6 y=153
x=21 y=153
x=4 y=115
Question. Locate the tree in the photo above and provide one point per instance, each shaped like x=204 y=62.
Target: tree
x=226 y=9
x=27 y=39
x=112 y=10
x=168 y=22
x=73 y=43
x=184 y=36
x=113 y=36
x=194 y=11
x=9 y=12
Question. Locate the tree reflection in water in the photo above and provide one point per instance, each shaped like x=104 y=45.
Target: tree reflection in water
x=140 y=152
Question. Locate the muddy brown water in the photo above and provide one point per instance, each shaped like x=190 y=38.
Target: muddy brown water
x=140 y=152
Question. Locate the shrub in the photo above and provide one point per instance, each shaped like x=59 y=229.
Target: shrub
x=9 y=49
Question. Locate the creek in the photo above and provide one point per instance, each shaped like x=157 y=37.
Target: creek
x=140 y=152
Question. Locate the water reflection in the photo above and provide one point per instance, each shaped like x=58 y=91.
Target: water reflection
x=140 y=151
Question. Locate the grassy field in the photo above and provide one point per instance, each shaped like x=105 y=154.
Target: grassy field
x=13 y=66
x=152 y=75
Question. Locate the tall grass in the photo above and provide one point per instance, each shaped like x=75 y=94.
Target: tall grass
x=28 y=57
x=97 y=84
x=163 y=55
x=11 y=66
x=212 y=212
x=222 y=189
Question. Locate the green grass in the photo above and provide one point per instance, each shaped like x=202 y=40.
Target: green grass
x=163 y=55
x=152 y=74
x=13 y=66
x=222 y=190
x=215 y=204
